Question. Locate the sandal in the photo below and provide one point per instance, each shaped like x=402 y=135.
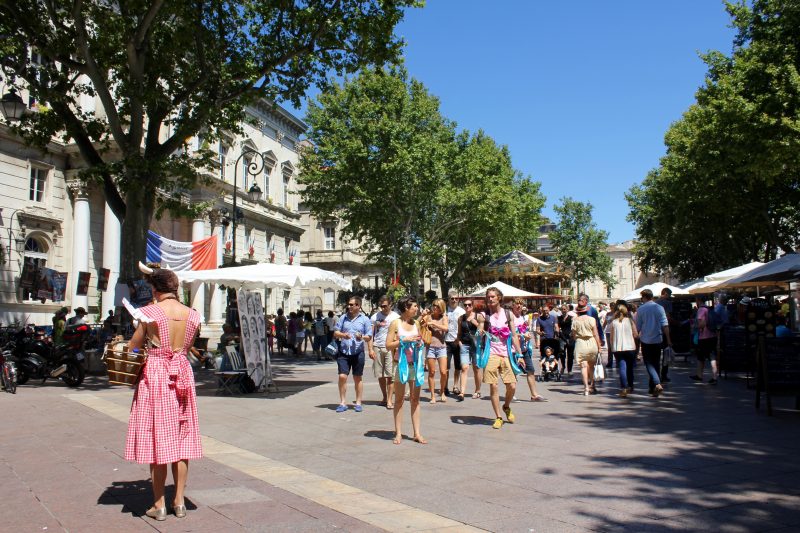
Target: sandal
x=397 y=440
x=476 y=395
x=420 y=440
x=389 y=407
x=538 y=399
x=460 y=398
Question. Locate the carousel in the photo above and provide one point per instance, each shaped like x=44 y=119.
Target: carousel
x=525 y=272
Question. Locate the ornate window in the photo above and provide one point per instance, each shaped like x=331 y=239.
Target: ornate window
x=36 y=191
x=35 y=258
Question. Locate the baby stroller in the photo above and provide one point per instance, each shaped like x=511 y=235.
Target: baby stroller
x=551 y=371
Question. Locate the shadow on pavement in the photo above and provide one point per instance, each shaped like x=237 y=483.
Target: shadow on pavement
x=136 y=497
x=380 y=434
x=471 y=420
x=736 y=466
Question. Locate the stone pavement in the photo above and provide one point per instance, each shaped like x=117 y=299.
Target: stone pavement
x=699 y=457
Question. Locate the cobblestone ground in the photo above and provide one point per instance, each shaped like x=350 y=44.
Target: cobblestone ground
x=700 y=457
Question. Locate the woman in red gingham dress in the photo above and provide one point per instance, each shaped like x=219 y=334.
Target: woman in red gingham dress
x=163 y=425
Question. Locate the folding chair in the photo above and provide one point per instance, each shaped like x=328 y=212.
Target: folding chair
x=230 y=380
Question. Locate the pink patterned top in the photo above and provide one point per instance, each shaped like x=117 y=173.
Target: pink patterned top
x=163 y=425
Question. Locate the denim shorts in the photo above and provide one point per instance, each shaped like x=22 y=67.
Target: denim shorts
x=353 y=362
x=467 y=355
x=437 y=352
x=531 y=367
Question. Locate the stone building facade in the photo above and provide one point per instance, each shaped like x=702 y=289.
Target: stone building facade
x=50 y=218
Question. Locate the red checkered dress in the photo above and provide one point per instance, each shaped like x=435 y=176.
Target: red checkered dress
x=163 y=425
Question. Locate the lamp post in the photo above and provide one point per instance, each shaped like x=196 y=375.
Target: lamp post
x=255 y=167
x=19 y=241
x=12 y=106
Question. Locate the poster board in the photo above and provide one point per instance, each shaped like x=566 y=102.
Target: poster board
x=253 y=337
x=102 y=279
x=83 y=283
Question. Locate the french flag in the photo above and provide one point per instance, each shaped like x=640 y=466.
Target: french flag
x=197 y=255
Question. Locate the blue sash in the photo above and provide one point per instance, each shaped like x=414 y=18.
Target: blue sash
x=482 y=349
x=419 y=362
x=512 y=357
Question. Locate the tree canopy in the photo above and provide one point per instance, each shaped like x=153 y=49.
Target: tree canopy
x=726 y=192
x=580 y=245
x=165 y=71
x=406 y=184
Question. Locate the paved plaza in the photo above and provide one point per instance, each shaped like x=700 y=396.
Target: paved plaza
x=698 y=458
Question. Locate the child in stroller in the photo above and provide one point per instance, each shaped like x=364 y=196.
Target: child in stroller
x=550 y=369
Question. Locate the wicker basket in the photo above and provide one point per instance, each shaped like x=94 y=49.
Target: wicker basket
x=124 y=367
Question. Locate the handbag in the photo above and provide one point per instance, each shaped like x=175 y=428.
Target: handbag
x=424 y=332
x=332 y=349
x=483 y=348
x=599 y=371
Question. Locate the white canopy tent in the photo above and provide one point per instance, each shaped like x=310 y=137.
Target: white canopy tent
x=657 y=287
x=507 y=290
x=712 y=282
x=268 y=275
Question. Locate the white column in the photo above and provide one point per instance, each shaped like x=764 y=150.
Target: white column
x=112 y=231
x=198 y=287
x=217 y=297
x=80 y=240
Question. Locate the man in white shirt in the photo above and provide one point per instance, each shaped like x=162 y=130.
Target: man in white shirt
x=79 y=318
x=382 y=362
x=454 y=313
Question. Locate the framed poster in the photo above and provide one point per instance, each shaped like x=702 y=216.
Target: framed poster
x=59 y=283
x=253 y=337
x=102 y=279
x=83 y=283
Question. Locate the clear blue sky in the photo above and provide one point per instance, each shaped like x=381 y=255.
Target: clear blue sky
x=582 y=92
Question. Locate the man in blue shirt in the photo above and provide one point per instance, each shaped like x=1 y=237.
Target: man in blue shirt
x=547 y=327
x=651 y=321
x=353 y=331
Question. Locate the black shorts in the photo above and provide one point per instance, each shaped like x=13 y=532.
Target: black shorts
x=353 y=362
x=706 y=349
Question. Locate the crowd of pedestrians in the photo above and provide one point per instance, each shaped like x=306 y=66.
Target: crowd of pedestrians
x=501 y=345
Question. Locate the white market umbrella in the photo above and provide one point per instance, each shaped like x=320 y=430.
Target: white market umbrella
x=656 y=287
x=268 y=275
x=507 y=290
x=778 y=272
x=714 y=281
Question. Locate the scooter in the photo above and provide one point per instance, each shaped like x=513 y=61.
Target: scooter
x=38 y=359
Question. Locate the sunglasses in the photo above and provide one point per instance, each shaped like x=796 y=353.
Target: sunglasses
x=468 y=304
x=352 y=305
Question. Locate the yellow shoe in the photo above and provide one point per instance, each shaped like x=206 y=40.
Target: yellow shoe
x=498 y=423
x=509 y=415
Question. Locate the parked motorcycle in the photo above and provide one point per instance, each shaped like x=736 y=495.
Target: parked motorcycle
x=38 y=359
x=8 y=371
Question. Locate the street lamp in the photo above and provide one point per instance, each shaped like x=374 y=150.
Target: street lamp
x=12 y=106
x=19 y=240
x=255 y=167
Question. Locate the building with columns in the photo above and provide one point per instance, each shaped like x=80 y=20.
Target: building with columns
x=50 y=218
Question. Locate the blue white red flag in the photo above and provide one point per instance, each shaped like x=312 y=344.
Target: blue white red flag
x=196 y=255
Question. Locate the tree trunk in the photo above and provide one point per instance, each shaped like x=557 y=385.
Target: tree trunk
x=140 y=204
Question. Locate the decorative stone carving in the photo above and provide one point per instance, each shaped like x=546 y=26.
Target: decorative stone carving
x=78 y=189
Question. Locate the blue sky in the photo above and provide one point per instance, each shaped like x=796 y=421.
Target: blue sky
x=582 y=92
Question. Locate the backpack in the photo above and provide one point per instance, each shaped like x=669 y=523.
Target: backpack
x=713 y=321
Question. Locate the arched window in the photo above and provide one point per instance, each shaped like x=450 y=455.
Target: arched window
x=35 y=259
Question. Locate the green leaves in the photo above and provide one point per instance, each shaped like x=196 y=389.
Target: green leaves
x=405 y=183
x=579 y=244
x=727 y=189
x=165 y=71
